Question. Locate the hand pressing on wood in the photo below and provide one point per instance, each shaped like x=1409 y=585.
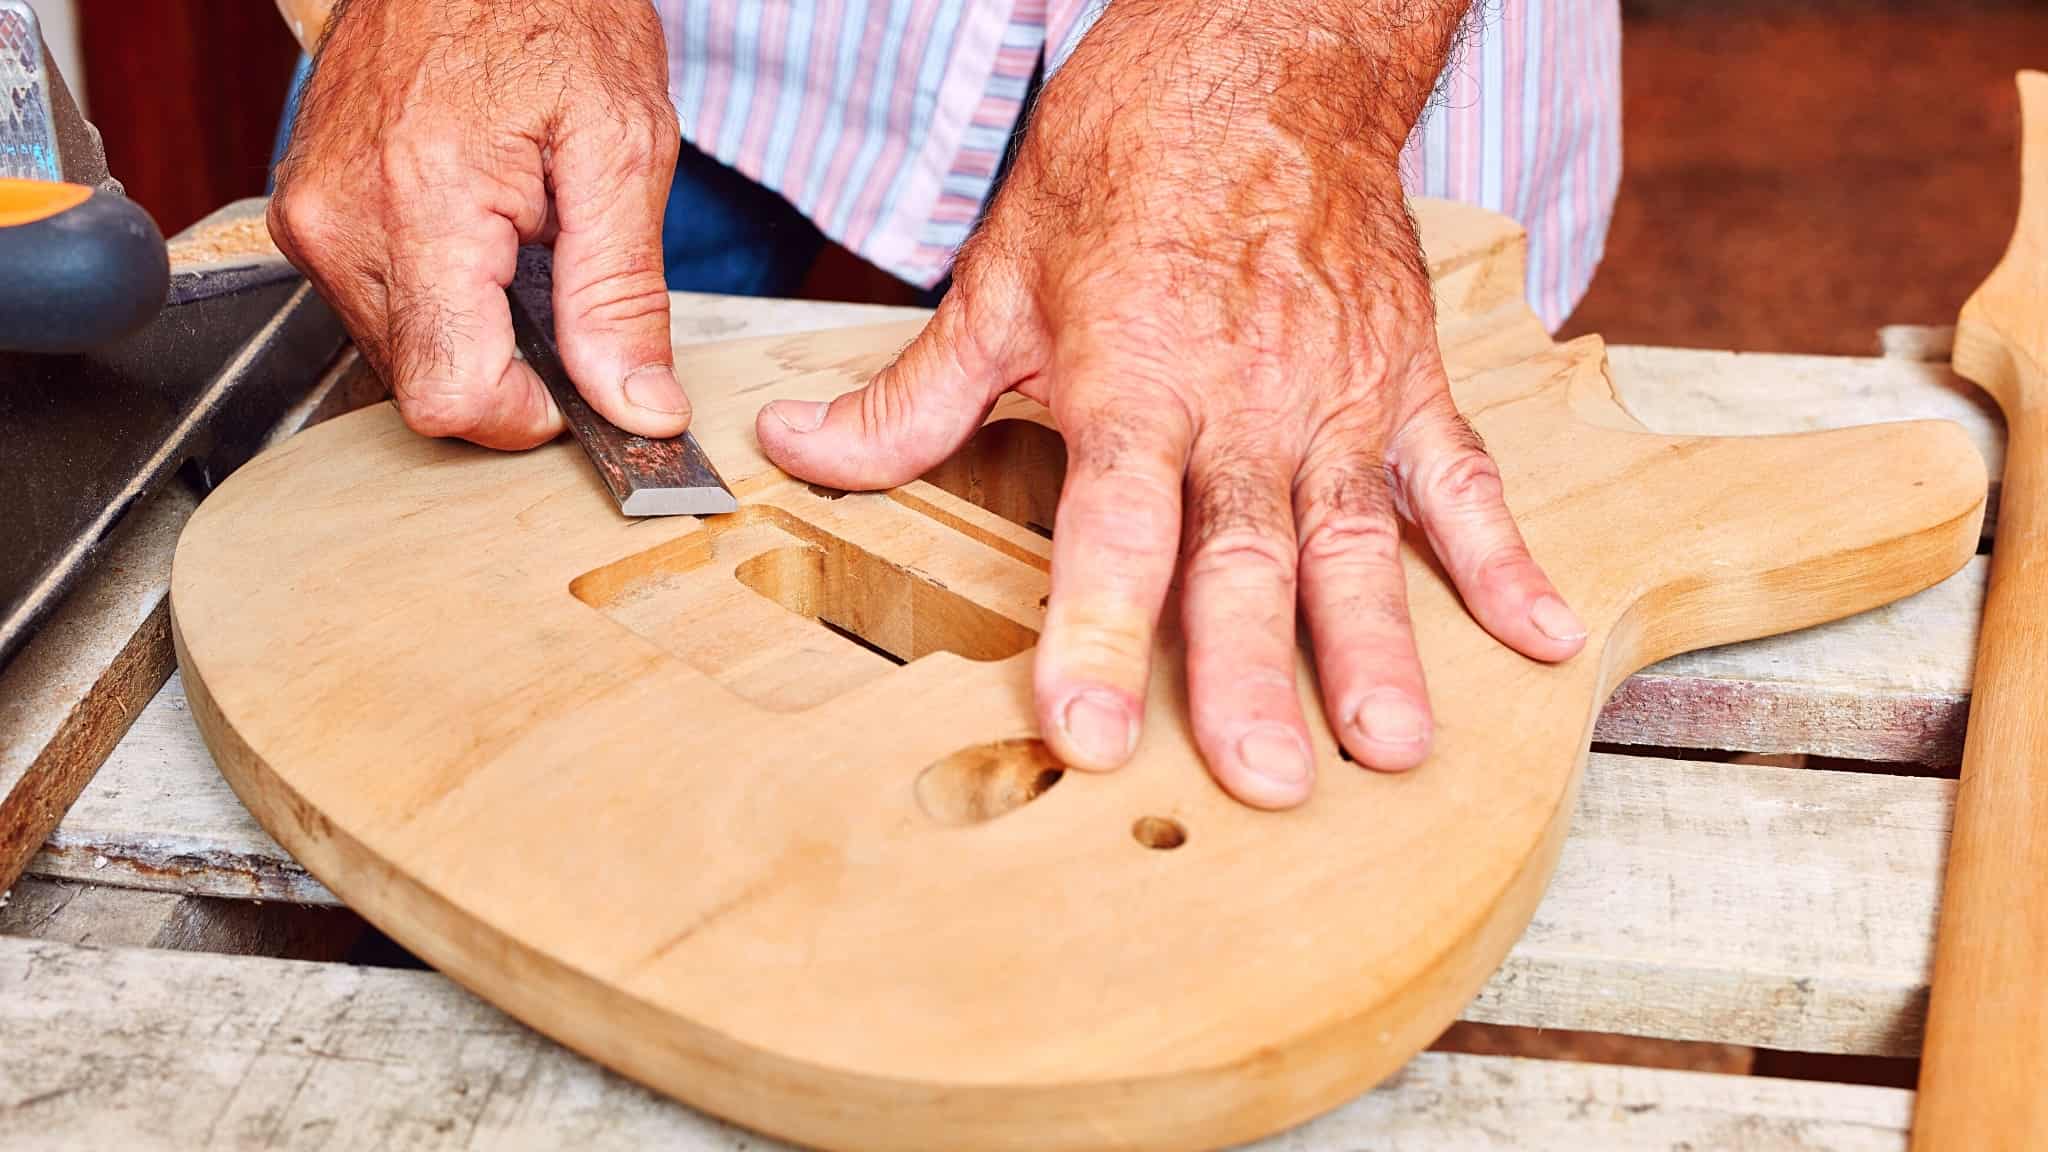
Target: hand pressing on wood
x=434 y=138
x=1203 y=264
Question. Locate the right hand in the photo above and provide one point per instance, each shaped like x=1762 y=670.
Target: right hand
x=436 y=137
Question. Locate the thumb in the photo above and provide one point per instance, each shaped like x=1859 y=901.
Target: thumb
x=611 y=295
x=911 y=416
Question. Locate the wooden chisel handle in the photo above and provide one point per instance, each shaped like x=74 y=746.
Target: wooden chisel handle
x=1984 y=1071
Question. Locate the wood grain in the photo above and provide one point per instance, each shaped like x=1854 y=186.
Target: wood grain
x=1981 y=1082
x=137 y=1050
x=1787 y=908
x=429 y=672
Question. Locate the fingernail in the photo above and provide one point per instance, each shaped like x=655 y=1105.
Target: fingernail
x=1274 y=753
x=800 y=415
x=1388 y=716
x=1555 y=619
x=654 y=388
x=1099 y=727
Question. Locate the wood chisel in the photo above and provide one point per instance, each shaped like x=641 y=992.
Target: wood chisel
x=647 y=477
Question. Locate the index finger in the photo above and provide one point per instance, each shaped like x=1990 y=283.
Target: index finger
x=448 y=352
x=1114 y=548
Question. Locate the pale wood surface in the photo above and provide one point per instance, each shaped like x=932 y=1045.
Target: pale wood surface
x=139 y=1050
x=1890 y=684
x=1788 y=908
x=1984 y=1080
x=429 y=670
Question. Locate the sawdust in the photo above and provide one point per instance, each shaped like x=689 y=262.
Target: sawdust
x=237 y=239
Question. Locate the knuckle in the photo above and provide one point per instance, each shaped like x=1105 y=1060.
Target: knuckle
x=1129 y=514
x=630 y=290
x=1468 y=479
x=420 y=159
x=1127 y=436
x=1235 y=510
x=1096 y=643
x=298 y=218
x=635 y=148
x=1348 y=510
x=1507 y=563
x=885 y=406
x=1245 y=553
x=1357 y=536
x=643 y=142
x=441 y=412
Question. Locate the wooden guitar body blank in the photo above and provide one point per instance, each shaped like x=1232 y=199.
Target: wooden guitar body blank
x=751 y=808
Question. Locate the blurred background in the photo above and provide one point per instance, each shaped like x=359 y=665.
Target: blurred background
x=1796 y=174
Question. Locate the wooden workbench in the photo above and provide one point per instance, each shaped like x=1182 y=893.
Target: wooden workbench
x=146 y=999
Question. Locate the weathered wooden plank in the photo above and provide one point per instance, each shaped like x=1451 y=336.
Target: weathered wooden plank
x=1784 y=908
x=1891 y=684
x=70 y=913
x=1932 y=343
x=67 y=697
x=159 y=816
x=132 y=1049
x=1790 y=908
x=106 y=917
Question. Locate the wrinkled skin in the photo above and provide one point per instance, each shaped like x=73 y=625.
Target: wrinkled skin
x=435 y=137
x=1201 y=263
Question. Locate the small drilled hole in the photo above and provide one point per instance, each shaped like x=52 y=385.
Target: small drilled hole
x=1158 y=832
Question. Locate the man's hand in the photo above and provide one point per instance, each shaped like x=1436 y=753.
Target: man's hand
x=1203 y=264
x=435 y=137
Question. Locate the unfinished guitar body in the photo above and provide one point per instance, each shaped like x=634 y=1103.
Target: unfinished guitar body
x=751 y=808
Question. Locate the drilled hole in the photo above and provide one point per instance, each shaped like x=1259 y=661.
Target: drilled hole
x=1157 y=832
x=979 y=783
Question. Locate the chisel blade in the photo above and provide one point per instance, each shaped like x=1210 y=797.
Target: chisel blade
x=647 y=477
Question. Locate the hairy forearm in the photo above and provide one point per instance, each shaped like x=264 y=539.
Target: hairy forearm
x=1336 y=77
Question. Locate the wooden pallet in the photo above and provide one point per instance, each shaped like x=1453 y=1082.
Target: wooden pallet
x=145 y=1000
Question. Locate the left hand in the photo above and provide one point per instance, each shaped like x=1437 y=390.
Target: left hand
x=1203 y=264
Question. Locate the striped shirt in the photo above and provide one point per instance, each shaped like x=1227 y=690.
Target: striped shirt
x=884 y=121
